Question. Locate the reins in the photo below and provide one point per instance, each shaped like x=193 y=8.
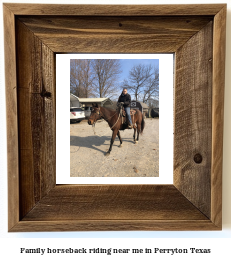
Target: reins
x=111 y=117
x=93 y=126
x=116 y=121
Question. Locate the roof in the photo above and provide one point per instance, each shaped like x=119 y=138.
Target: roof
x=97 y=100
x=92 y=99
x=144 y=105
x=73 y=97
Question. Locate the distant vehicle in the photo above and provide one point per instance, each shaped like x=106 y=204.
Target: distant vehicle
x=76 y=114
x=87 y=111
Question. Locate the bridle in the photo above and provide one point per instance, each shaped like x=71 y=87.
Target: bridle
x=98 y=112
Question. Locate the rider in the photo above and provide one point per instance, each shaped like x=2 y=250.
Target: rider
x=125 y=98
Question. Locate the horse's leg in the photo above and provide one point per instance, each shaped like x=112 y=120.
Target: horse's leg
x=112 y=141
x=118 y=134
x=134 y=136
x=138 y=131
x=135 y=124
x=138 y=123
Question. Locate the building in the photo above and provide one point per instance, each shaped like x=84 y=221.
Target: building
x=74 y=101
x=103 y=102
x=143 y=107
x=87 y=102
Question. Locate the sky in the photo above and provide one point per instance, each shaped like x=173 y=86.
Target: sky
x=127 y=64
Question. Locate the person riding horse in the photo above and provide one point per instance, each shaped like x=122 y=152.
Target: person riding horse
x=125 y=99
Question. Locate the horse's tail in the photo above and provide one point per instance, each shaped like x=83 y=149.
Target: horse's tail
x=142 y=124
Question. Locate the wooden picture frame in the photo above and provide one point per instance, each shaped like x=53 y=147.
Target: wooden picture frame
x=33 y=34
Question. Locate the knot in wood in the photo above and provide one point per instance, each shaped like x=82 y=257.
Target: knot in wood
x=45 y=94
x=198 y=158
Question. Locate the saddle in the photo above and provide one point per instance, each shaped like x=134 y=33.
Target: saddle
x=122 y=113
x=132 y=112
x=125 y=120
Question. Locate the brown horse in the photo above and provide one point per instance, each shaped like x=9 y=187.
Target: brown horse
x=114 y=120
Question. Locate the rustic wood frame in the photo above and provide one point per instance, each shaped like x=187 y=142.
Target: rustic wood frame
x=33 y=34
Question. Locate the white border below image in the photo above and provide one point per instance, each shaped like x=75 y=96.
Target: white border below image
x=165 y=121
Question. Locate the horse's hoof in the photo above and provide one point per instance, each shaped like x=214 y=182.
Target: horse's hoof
x=107 y=154
x=135 y=141
x=121 y=145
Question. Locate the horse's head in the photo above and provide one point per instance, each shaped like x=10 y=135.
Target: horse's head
x=95 y=114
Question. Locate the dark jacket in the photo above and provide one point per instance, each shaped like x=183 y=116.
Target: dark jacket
x=126 y=99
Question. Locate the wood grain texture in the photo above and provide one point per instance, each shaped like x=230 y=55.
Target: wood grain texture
x=12 y=122
x=35 y=66
x=195 y=202
x=114 y=207
x=115 y=34
x=193 y=113
x=218 y=114
x=114 y=202
x=114 y=10
x=114 y=225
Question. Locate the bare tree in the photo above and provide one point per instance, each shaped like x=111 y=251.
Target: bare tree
x=106 y=72
x=151 y=90
x=81 y=78
x=143 y=82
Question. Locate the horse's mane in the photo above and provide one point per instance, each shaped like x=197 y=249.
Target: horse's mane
x=109 y=109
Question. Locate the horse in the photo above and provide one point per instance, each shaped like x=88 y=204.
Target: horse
x=114 y=120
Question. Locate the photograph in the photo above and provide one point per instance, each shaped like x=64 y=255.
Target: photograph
x=114 y=117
